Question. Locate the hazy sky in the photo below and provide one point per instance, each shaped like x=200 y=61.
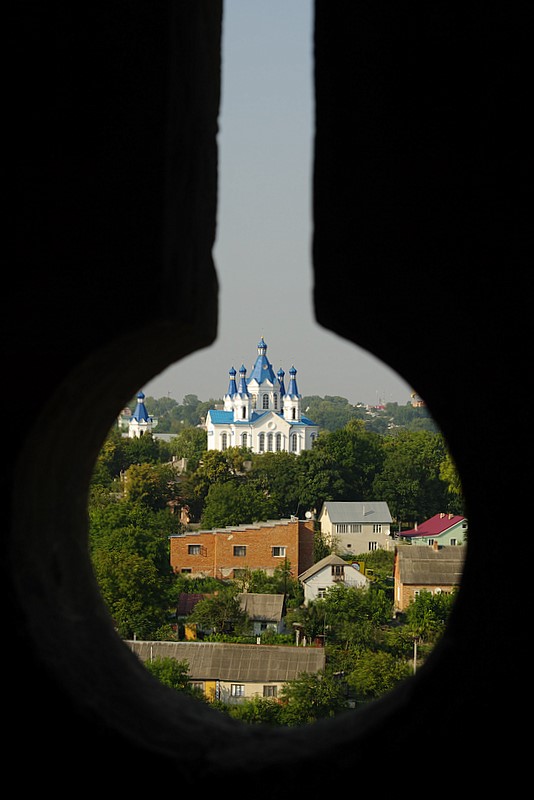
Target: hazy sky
x=264 y=226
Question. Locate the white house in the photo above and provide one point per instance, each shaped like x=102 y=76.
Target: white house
x=330 y=571
x=356 y=527
x=259 y=413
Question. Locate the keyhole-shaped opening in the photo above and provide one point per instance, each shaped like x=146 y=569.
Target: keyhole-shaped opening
x=263 y=260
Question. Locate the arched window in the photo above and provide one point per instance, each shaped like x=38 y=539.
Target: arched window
x=293 y=442
x=275 y=398
x=244 y=412
x=262 y=442
x=265 y=401
x=278 y=441
x=270 y=442
x=243 y=440
x=294 y=413
x=224 y=441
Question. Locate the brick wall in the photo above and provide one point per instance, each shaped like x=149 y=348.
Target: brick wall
x=218 y=553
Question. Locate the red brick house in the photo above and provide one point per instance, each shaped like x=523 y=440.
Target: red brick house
x=225 y=552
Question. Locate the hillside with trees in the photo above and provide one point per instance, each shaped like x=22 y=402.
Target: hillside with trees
x=141 y=486
x=329 y=412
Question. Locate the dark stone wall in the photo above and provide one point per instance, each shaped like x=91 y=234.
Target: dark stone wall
x=420 y=205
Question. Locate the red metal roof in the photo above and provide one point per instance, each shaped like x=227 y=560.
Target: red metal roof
x=435 y=526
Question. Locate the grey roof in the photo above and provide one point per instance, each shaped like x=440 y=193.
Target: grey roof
x=421 y=565
x=265 y=607
x=324 y=562
x=360 y=511
x=236 y=662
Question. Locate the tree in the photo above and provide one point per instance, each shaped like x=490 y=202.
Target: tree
x=152 y=485
x=221 y=612
x=375 y=673
x=236 y=502
x=319 y=479
x=133 y=592
x=190 y=443
x=353 y=614
x=358 y=455
x=134 y=528
x=410 y=479
x=449 y=475
x=311 y=697
x=428 y=613
x=257 y=710
x=277 y=474
x=173 y=673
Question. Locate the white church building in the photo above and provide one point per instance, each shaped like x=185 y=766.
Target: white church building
x=259 y=413
x=140 y=421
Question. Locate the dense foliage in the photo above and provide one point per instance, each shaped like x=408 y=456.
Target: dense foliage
x=140 y=487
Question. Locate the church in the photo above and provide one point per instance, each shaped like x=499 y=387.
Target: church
x=260 y=413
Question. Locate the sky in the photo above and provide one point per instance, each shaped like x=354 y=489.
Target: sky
x=262 y=252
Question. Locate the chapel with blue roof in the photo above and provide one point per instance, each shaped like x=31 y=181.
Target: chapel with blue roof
x=260 y=413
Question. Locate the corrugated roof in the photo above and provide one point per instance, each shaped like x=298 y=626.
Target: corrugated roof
x=246 y=663
x=421 y=565
x=360 y=512
x=264 y=607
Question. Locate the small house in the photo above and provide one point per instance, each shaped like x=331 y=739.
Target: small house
x=328 y=572
x=236 y=672
x=445 y=529
x=425 y=569
x=265 y=611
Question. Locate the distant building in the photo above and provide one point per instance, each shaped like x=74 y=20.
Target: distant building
x=442 y=529
x=140 y=422
x=259 y=413
x=356 y=527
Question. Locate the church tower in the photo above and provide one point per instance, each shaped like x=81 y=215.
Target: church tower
x=259 y=414
x=140 y=421
x=292 y=399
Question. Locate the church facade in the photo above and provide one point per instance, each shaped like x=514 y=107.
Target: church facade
x=260 y=413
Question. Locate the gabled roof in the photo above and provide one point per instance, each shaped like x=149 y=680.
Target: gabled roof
x=324 y=562
x=421 y=565
x=236 y=662
x=359 y=511
x=262 y=607
x=186 y=603
x=435 y=526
